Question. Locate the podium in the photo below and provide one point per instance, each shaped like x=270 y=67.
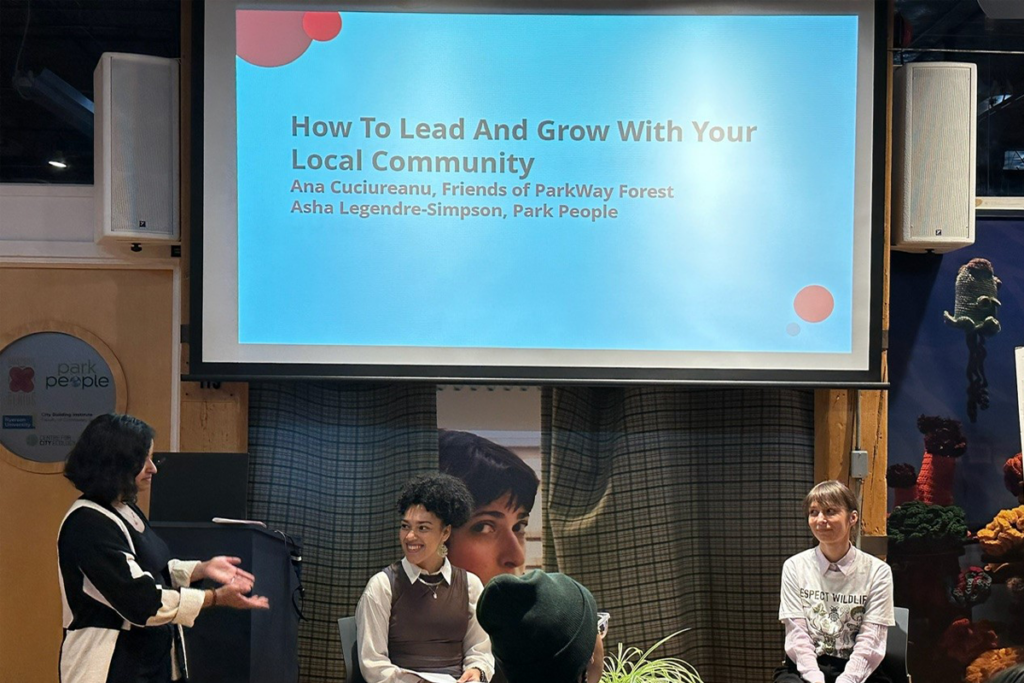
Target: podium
x=242 y=646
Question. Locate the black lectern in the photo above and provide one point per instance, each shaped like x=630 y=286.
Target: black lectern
x=236 y=646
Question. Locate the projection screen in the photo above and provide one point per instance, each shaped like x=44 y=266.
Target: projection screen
x=684 y=192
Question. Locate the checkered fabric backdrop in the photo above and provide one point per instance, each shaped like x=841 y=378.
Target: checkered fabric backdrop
x=677 y=508
x=326 y=463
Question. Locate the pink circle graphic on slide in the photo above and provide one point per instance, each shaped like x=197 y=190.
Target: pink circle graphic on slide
x=814 y=303
x=321 y=26
x=270 y=38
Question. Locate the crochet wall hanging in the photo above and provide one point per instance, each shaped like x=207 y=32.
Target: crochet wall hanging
x=974 y=311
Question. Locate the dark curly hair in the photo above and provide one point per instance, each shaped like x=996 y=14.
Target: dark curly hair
x=108 y=456
x=440 y=494
x=488 y=470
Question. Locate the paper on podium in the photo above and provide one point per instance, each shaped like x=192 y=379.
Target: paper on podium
x=434 y=678
x=228 y=520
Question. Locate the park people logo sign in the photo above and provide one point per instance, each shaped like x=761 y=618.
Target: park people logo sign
x=52 y=384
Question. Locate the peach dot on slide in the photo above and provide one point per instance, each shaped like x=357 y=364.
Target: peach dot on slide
x=814 y=303
x=270 y=38
x=321 y=26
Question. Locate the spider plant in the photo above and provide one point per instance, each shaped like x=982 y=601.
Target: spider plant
x=631 y=665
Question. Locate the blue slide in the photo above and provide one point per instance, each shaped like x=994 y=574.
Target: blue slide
x=546 y=181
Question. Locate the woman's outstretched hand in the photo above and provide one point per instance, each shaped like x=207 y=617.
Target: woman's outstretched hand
x=232 y=595
x=225 y=570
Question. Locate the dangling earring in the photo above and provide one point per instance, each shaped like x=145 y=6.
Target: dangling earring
x=442 y=551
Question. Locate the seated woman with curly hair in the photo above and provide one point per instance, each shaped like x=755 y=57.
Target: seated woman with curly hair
x=419 y=614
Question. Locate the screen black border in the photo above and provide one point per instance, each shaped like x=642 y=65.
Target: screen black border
x=200 y=370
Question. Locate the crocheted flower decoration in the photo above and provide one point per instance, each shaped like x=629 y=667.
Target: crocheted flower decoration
x=918 y=527
x=942 y=436
x=988 y=664
x=901 y=476
x=964 y=640
x=972 y=587
x=1004 y=534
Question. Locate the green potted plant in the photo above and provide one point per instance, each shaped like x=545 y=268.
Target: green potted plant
x=631 y=665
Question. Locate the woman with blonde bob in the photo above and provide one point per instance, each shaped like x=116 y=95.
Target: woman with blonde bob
x=836 y=601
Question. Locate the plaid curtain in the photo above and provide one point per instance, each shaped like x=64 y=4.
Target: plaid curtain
x=326 y=463
x=677 y=508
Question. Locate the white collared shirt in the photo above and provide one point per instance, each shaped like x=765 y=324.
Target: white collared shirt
x=835 y=598
x=843 y=566
x=373 y=613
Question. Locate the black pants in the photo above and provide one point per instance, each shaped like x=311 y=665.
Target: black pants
x=142 y=655
x=830 y=666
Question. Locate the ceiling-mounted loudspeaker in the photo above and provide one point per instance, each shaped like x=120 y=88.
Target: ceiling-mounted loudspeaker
x=136 y=148
x=934 y=136
x=1002 y=9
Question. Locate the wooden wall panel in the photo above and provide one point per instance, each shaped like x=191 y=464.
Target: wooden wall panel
x=834 y=427
x=214 y=419
x=131 y=311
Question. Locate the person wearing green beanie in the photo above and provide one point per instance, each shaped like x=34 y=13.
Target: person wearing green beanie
x=543 y=627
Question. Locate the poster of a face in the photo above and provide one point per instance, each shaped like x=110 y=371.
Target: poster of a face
x=498 y=458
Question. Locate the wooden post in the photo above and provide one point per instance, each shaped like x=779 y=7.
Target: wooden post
x=214 y=418
x=834 y=409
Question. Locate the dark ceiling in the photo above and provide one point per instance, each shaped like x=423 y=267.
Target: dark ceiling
x=67 y=38
x=959 y=31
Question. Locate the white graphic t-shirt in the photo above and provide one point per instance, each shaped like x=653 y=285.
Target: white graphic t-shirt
x=836 y=598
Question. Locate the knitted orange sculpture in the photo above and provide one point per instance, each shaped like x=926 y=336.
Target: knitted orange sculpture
x=944 y=442
x=992 y=662
x=964 y=640
x=1013 y=477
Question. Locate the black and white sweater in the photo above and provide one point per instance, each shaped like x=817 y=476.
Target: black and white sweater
x=110 y=587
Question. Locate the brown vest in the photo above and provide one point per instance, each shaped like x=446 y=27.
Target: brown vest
x=426 y=633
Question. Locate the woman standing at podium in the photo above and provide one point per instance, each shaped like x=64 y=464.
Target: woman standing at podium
x=418 y=615
x=125 y=600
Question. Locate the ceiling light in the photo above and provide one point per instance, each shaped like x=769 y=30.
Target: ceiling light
x=58 y=161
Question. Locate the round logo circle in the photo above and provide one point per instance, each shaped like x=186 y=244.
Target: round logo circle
x=52 y=385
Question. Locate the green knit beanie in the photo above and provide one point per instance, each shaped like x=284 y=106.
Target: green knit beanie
x=543 y=627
